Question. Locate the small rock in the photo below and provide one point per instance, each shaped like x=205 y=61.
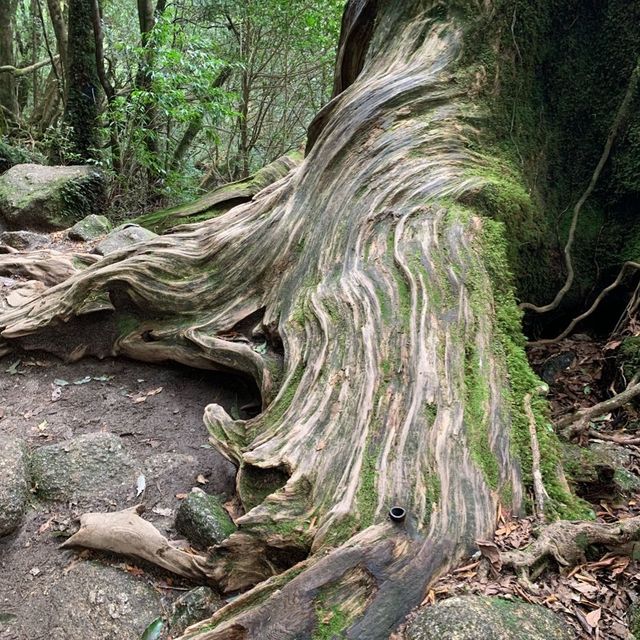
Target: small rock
x=601 y=468
x=193 y=606
x=33 y=196
x=90 y=228
x=123 y=237
x=555 y=365
x=474 y=617
x=14 y=484
x=201 y=518
x=94 y=464
x=633 y=617
x=23 y=240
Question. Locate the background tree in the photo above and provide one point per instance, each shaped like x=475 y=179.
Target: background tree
x=83 y=84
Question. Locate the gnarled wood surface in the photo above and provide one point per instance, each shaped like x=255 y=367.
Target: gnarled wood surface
x=353 y=291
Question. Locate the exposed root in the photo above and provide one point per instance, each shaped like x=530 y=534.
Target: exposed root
x=566 y=542
x=619 y=120
x=126 y=533
x=618 y=438
x=540 y=493
x=596 y=303
x=578 y=422
x=46 y=266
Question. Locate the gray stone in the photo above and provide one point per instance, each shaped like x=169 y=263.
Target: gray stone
x=90 y=228
x=475 y=617
x=601 y=467
x=94 y=464
x=22 y=240
x=33 y=196
x=193 y=606
x=14 y=484
x=96 y=602
x=202 y=519
x=123 y=237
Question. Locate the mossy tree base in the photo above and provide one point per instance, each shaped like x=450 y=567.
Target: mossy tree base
x=374 y=312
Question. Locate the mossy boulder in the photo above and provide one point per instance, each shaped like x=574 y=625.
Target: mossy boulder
x=123 y=237
x=90 y=228
x=91 y=465
x=33 y=196
x=14 y=485
x=193 y=606
x=602 y=467
x=202 y=519
x=474 y=617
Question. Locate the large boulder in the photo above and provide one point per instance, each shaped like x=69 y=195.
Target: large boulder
x=34 y=196
x=202 y=519
x=14 y=486
x=91 y=465
x=91 y=601
x=474 y=617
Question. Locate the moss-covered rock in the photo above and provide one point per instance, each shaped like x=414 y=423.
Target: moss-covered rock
x=203 y=520
x=475 y=617
x=94 y=464
x=600 y=468
x=122 y=237
x=37 y=197
x=90 y=228
x=193 y=606
x=14 y=486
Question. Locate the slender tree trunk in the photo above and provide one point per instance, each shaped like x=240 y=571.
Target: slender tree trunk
x=150 y=124
x=83 y=90
x=380 y=325
x=8 y=93
x=56 y=14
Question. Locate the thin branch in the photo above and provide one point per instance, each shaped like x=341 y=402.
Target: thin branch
x=578 y=421
x=591 y=309
x=23 y=71
x=619 y=120
x=540 y=493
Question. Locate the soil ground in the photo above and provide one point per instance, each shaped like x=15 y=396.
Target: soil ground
x=49 y=593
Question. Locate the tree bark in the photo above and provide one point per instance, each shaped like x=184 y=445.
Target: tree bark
x=8 y=93
x=358 y=292
x=83 y=84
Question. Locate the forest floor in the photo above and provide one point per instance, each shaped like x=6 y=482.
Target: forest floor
x=50 y=593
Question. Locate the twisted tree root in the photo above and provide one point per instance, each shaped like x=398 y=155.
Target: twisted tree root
x=566 y=542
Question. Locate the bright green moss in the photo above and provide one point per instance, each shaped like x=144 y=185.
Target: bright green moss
x=367 y=496
x=331 y=624
x=523 y=381
x=476 y=418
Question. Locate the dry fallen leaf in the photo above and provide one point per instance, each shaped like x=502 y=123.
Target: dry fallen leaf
x=593 y=618
x=201 y=480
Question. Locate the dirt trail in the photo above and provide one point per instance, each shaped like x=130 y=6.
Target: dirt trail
x=156 y=413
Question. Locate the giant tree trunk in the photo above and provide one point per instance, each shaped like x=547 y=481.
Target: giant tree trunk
x=369 y=303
